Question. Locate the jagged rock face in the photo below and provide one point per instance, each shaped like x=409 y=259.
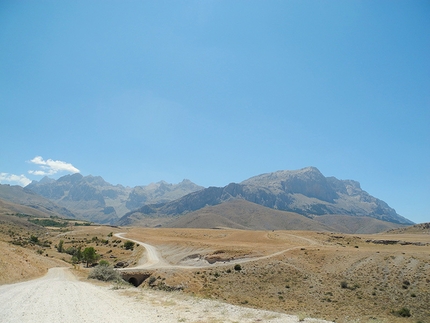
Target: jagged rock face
x=305 y=191
x=308 y=181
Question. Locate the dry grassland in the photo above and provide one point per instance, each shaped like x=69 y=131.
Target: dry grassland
x=339 y=277
x=336 y=277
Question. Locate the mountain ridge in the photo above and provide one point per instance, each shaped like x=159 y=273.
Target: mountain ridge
x=306 y=192
x=92 y=198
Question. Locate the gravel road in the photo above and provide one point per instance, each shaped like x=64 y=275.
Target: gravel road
x=60 y=297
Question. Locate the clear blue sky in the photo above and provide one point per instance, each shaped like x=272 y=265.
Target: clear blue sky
x=219 y=91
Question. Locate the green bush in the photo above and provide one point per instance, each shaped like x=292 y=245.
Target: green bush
x=237 y=267
x=104 y=273
x=403 y=312
x=103 y=263
x=129 y=245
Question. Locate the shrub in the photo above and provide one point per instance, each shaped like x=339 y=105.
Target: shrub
x=344 y=284
x=34 y=239
x=129 y=245
x=403 y=312
x=104 y=273
x=237 y=267
x=152 y=280
x=103 y=263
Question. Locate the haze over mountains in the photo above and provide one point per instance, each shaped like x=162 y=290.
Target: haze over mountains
x=297 y=199
x=92 y=198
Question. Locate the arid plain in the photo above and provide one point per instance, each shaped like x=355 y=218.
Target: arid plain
x=331 y=276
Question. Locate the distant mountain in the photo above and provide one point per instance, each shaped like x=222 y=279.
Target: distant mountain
x=305 y=191
x=16 y=199
x=92 y=198
x=160 y=192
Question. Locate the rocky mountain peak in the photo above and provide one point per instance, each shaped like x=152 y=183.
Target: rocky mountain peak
x=73 y=178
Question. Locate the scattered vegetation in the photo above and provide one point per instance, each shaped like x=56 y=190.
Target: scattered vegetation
x=49 y=223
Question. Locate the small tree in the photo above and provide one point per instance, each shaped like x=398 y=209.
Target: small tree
x=90 y=256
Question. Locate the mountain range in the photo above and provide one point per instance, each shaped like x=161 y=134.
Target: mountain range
x=92 y=198
x=284 y=199
x=305 y=191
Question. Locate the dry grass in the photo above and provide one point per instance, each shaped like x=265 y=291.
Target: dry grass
x=307 y=277
x=21 y=260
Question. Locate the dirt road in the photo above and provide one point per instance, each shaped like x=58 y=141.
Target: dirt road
x=60 y=297
x=153 y=259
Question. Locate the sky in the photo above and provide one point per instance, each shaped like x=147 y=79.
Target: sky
x=218 y=91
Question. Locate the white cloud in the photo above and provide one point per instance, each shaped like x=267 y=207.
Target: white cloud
x=14 y=179
x=50 y=167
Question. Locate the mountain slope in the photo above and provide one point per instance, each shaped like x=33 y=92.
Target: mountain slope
x=241 y=214
x=355 y=224
x=22 y=200
x=305 y=191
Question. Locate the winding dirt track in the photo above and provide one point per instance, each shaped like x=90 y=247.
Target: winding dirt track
x=153 y=258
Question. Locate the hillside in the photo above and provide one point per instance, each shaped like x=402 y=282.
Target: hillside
x=420 y=228
x=355 y=224
x=240 y=214
x=305 y=191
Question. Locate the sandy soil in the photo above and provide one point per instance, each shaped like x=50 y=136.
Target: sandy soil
x=60 y=297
